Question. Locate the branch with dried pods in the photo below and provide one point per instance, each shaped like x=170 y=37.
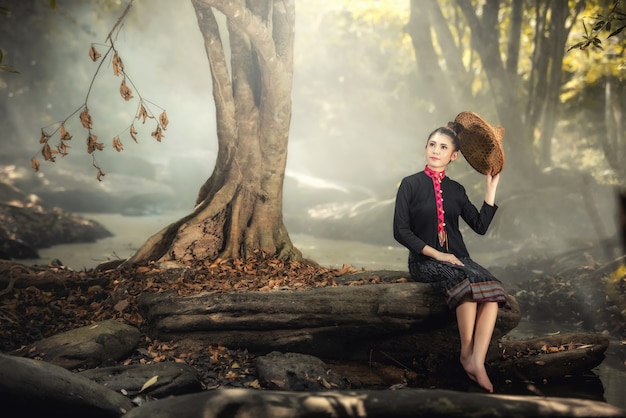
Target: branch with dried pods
x=143 y=113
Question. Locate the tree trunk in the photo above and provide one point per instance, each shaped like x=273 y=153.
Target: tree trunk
x=448 y=88
x=486 y=42
x=613 y=142
x=239 y=208
x=555 y=50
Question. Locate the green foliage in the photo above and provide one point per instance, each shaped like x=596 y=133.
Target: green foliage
x=613 y=22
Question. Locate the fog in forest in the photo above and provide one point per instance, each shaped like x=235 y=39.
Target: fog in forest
x=346 y=154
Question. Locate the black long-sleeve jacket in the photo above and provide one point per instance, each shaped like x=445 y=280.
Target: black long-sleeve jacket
x=415 y=216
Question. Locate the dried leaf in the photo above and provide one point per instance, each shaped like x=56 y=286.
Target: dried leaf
x=65 y=136
x=133 y=133
x=149 y=383
x=118 y=65
x=158 y=133
x=34 y=164
x=125 y=91
x=99 y=175
x=117 y=144
x=143 y=113
x=231 y=375
x=94 y=54
x=163 y=120
x=85 y=119
x=46 y=151
x=93 y=144
x=44 y=137
x=63 y=149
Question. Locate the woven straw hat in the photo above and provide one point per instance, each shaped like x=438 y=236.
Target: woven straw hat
x=481 y=143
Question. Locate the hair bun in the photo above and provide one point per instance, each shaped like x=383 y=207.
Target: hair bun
x=456 y=127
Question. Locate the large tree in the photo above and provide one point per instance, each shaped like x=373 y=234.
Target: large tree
x=238 y=210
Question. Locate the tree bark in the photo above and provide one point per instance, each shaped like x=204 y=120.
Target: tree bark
x=239 y=208
x=414 y=403
x=399 y=321
x=401 y=324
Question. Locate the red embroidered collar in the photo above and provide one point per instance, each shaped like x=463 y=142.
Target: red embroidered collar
x=437 y=177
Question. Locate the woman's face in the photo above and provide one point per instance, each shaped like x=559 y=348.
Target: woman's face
x=440 y=151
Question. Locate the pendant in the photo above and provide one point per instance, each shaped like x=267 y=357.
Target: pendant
x=443 y=238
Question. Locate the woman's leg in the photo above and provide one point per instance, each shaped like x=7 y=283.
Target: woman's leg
x=476 y=324
x=466 y=321
x=485 y=324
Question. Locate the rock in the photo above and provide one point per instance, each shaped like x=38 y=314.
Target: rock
x=41 y=227
x=85 y=347
x=157 y=380
x=27 y=223
x=297 y=372
x=36 y=388
x=11 y=248
x=240 y=403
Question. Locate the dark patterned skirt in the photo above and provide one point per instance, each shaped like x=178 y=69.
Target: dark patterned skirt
x=458 y=282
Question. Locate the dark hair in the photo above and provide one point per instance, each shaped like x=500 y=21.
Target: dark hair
x=452 y=129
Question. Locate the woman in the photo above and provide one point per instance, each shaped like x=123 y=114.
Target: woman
x=426 y=221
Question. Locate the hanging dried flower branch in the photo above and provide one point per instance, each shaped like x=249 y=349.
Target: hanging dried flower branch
x=49 y=152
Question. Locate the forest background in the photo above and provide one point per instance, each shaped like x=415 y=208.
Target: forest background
x=371 y=80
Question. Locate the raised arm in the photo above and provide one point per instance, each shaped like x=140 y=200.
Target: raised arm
x=492 y=186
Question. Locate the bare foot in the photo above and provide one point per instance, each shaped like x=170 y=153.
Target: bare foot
x=483 y=380
x=477 y=374
x=466 y=362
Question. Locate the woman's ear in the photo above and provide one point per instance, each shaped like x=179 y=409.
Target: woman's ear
x=454 y=156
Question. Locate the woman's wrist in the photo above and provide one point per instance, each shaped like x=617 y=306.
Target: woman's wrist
x=431 y=252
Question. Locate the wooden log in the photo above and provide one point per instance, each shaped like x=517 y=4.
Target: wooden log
x=372 y=404
x=329 y=322
x=404 y=324
x=551 y=356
